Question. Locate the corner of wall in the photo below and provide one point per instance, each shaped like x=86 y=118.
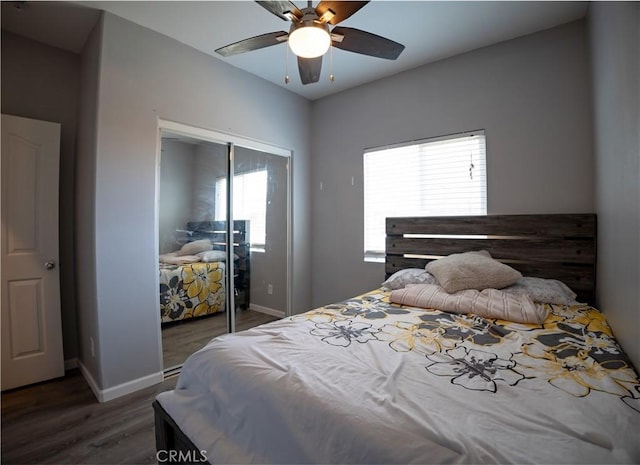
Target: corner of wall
x=85 y=186
x=614 y=39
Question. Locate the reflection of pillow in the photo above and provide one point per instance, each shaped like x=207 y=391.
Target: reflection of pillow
x=195 y=247
x=401 y=278
x=472 y=270
x=215 y=256
x=172 y=259
x=547 y=291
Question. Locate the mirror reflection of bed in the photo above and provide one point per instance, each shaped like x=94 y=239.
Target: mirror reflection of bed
x=193 y=288
x=193 y=238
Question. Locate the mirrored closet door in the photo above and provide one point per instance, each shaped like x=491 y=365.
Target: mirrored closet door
x=223 y=238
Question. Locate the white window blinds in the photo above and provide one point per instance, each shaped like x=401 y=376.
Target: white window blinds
x=433 y=177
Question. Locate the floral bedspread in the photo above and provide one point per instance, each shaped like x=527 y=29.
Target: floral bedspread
x=188 y=291
x=574 y=350
x=367 y=381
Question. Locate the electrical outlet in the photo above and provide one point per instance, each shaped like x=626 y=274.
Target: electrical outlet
x=93 y=348
x=269 y=289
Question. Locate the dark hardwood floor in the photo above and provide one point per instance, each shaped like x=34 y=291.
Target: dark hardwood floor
x=61 y=422
x=179 y=340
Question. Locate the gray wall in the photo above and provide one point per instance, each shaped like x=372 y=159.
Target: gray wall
x=41 y=82
x=145 y=76
x=85 y=208
x=531 y=95
x=177 y=161
x=615 y=48
x=210 y=165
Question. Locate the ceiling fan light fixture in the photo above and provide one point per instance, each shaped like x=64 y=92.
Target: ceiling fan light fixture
x=313 y=32
x=309 y=40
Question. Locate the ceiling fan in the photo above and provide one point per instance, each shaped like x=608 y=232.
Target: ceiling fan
x=310 y=37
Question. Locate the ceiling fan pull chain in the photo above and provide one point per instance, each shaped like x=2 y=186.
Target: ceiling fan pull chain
x=286 y=66
x=331 y=78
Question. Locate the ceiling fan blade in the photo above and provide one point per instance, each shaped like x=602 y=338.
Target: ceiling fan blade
x=280 y=8
x=309 y=69
x=341 y=9
x=358 y=41
x=253 y=43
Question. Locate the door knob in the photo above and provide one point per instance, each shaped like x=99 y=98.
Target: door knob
x=50 y=265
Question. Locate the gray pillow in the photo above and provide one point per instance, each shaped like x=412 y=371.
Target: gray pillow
x=546 y=291
x=472 y=270
x=400 y=279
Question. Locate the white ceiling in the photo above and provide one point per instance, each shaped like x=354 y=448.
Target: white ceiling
x=430 y=30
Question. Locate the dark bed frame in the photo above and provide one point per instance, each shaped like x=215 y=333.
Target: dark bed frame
x=557 y=246
x=169 y=437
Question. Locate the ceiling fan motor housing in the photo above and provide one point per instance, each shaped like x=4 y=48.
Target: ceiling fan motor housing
x=309 y=37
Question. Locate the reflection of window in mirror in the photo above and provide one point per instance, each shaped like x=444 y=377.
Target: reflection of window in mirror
x=249 y=203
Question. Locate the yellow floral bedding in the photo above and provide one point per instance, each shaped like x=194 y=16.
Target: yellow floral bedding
x=368 y=381
x=573 y=350
x=192 y=290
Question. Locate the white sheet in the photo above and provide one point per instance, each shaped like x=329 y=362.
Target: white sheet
x=365 y=381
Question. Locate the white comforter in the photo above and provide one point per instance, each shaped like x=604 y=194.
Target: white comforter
x=365 y=381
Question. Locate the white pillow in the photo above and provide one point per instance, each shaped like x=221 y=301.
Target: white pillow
x=546 y=291
x=195 y=247
x=401 y=278
x=472 y=270
x=213 y=256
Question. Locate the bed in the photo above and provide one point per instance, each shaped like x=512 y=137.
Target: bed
x=369 y=380
x=192 y=278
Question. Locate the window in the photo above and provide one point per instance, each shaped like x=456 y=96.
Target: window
x=433 y=177
x=249 y=203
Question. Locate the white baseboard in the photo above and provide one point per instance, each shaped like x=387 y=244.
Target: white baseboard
x=105 y=395
x=89 y=379
x=267 y=310
x=70 y=363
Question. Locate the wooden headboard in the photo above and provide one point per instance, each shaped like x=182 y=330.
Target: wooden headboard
x=554 y=246
x=217 y=232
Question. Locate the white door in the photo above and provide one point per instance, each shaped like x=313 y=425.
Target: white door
x=30 y=292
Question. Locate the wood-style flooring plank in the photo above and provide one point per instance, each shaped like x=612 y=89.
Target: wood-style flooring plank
x=61 y=422
x=179 y=340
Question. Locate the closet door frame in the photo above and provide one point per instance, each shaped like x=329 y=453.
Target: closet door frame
x=230 y=141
